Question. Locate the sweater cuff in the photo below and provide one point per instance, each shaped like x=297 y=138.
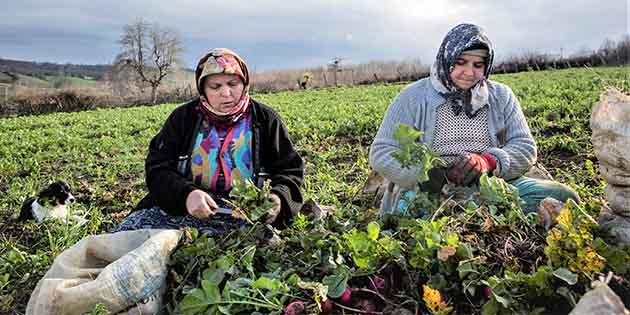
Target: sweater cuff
x=490 y=159
x=182 y=203
x=502 y=161
x=289 y=208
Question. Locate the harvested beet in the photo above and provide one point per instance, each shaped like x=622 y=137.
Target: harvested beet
x=487 y=292
x=346 y=297
x=295 y=308
x=327 y=307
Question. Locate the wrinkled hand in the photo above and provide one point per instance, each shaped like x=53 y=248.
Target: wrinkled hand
x=273 y=213
x=469 y=166
x=199 y=204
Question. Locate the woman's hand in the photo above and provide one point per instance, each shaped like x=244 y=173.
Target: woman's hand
x=437 y=179
x=273 y=213
x=469 y=166
x=199 y=204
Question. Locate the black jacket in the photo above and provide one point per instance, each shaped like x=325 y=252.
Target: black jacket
x=274 y=158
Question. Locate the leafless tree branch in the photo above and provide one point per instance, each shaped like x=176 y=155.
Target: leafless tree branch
x=151 y=51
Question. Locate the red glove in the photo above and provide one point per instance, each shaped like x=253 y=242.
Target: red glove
x=469 y=166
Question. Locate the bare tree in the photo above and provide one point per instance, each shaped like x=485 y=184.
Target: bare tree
x=623 y=49
x=151 y=51
x=122 y=80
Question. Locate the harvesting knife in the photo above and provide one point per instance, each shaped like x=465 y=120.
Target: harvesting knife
x=223 y=210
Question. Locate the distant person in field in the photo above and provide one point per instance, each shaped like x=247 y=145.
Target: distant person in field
x=221 y=136
x=474 y=123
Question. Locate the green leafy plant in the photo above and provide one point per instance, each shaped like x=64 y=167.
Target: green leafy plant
x=368 y=249
x=617 y=256
x=570 y=242
x=248 y=201
x=513 y=292
x=412 y=153
x=434 y=245
x=99 y=309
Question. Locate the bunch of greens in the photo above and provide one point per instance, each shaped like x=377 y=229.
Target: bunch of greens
x=248 y=201
x=413 y=153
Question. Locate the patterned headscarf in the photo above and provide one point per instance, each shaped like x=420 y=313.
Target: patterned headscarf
x=459 y=39
x=222 y=61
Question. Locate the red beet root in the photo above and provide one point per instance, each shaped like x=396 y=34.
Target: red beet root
x=487 y=292
x=346 y=297
x=295 y=308
x=327 y=307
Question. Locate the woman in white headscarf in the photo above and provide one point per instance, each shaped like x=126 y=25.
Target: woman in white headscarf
x=474 y=123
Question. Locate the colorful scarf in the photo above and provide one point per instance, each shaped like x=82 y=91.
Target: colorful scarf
x=456 y=41
x=222 y=61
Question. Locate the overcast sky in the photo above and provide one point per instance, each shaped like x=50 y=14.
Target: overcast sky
x=293 y=34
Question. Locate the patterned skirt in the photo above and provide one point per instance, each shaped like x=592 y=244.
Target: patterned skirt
x=156 y=218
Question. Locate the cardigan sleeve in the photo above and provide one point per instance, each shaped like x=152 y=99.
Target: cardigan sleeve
x=169 y=188
x=401 y=111
x=284 y=167
x=517 y=155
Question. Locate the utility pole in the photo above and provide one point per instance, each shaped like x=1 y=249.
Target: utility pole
x=335 y=66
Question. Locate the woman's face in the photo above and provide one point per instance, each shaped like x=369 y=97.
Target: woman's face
x=223 y=91
x=467 y=71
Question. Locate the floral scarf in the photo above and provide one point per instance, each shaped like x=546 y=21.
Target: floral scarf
x=457 y=40
x=222 y=61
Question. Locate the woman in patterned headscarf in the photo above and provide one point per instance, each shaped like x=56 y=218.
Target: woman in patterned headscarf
x=474 y=123
x=222 y=136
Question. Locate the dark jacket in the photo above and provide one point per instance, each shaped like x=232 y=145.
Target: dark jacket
x=274 y=158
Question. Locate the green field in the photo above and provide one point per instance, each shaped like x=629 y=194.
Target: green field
x=71 y=81
x=101 y=154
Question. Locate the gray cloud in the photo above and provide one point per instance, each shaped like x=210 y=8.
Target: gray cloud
x=281 y=34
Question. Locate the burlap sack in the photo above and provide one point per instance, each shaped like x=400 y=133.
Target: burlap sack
x=601 y=300
x=116 y=270
x=614 y=174
x=615 y=225
x=618 y=199
x=610 y=123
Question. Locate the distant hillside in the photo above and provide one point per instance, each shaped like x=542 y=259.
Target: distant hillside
x=46 y=69
x=7 y=77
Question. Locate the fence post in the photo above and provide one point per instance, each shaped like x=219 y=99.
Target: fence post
x=6 y=94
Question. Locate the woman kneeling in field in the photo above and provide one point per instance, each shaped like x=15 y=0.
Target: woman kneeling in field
x=474 y=123
x=221 y=136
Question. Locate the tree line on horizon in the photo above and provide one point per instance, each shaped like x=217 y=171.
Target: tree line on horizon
x=150 y=55
x=610 y=53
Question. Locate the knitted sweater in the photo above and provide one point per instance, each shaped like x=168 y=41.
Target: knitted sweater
x=416 y=105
